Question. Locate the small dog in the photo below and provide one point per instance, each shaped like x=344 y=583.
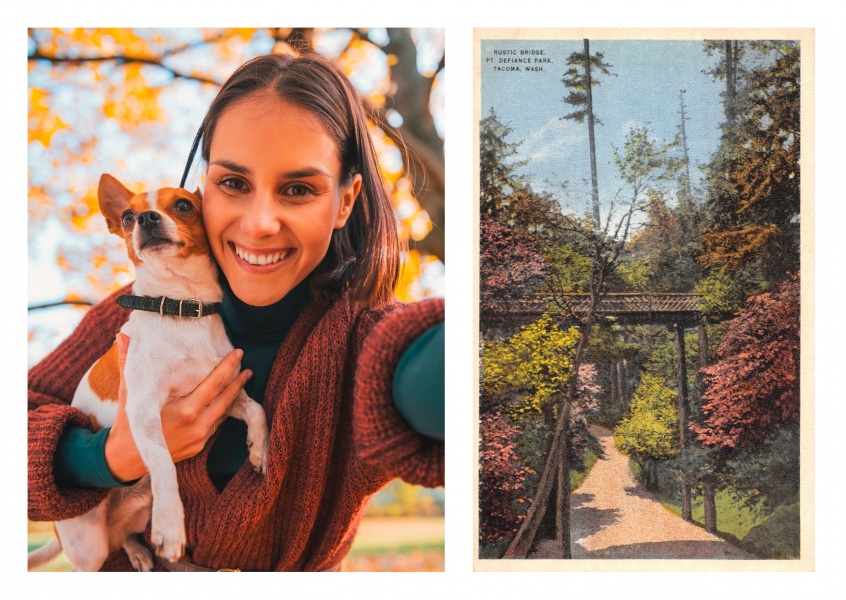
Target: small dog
x=173 y=348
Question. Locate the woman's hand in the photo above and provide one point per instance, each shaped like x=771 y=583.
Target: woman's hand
x=187 y=422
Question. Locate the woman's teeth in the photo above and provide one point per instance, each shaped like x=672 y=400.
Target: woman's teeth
x=261 y=259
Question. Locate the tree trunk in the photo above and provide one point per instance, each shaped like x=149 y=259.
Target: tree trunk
x=562 y=505
x=686 y=508
x=731 y=89
x=708 y=493
x=615 y=396
x=593 y=178
x=621 y=394
x=710 y=507
x=703 y=346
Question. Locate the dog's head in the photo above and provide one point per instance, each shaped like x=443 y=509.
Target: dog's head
x=156 y=226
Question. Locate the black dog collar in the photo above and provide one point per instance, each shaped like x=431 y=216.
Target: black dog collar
x=192 y=309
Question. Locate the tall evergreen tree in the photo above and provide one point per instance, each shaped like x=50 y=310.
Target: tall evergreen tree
x=497 y=165
x=755 y=176
x=580 y=79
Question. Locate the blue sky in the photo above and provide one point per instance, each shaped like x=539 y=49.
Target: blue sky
x=642 y=90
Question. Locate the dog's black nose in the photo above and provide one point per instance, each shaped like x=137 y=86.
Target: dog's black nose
x=149 y=219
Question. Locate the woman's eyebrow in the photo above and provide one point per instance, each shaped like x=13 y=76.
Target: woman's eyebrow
x=306 y=172
x=231 y=166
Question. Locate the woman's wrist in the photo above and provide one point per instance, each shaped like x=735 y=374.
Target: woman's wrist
x=123 y=460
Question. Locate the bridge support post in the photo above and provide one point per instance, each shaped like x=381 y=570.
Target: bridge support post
x=683 y=395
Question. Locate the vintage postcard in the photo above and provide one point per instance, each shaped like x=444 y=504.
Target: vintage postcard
x=645 y=219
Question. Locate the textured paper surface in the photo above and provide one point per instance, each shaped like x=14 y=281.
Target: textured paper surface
x=538 y=39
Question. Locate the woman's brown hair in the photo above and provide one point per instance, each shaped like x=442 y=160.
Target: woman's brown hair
x=364 y=254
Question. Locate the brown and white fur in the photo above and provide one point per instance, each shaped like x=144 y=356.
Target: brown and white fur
x=167 y=358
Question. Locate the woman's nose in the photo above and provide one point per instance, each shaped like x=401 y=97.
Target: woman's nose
x=262 y=216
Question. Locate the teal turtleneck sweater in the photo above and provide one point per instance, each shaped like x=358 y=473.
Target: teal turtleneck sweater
x=418 y=390
x=259 y=332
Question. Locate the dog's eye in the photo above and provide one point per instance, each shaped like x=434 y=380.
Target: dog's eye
x=127 y=219
x=184 y=206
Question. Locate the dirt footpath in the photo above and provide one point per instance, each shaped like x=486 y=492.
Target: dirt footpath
x=613 y=516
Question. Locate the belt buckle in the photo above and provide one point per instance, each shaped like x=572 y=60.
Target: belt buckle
x=228 y=570
x=199 y=308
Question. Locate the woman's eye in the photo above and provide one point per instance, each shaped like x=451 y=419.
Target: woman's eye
x=233 y=183
x=127 y=219
x=184 y=206
x=298 y=189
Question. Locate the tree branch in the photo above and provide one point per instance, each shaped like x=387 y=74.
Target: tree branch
x=123 y=60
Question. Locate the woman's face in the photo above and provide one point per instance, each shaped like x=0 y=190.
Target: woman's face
x=273 y=196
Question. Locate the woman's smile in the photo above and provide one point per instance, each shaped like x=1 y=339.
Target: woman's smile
x=260 y=258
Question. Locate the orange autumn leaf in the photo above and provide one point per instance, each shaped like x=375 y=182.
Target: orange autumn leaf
x=42 y=122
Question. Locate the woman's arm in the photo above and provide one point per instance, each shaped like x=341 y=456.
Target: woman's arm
x=418 y=386
x=383 y=435
x=51 y=387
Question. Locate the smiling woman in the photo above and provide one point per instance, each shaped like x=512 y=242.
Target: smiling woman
x=301 y=224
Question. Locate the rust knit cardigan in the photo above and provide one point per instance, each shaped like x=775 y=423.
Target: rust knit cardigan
x=335 y=439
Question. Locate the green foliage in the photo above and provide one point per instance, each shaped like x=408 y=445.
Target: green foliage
x=569 y=269
x=650 y=431
x=636 y=272
x=497 y=165
x=575 y=81
x=533 y=446
x=754 y=177
x=536 y=361
x=645 y=161
x=722 y=295
x=668 y=243
x=777 y=536
x=495 y=549
x=662 y=361
x=768 y=473
x=591 y=455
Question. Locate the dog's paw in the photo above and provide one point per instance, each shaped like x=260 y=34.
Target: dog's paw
x=258 y=459
x=168 y=548
x=168 y=534
x=257 y=444
x=140 y=557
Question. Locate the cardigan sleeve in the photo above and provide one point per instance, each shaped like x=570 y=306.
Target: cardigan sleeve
x=383 y=436
x=51 y=386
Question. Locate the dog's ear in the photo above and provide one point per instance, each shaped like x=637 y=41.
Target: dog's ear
x=199 y=194
x=114 y=199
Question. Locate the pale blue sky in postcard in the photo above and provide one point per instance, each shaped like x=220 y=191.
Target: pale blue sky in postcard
x=642 y=90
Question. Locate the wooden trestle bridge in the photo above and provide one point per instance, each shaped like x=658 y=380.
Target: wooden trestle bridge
x=625 y=309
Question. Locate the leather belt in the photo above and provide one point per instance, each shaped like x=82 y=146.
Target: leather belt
x=186 y=567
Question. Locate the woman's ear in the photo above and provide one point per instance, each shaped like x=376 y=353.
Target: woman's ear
x=349 y=194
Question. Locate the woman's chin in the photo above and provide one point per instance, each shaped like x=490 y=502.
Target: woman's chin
x=258 y=294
